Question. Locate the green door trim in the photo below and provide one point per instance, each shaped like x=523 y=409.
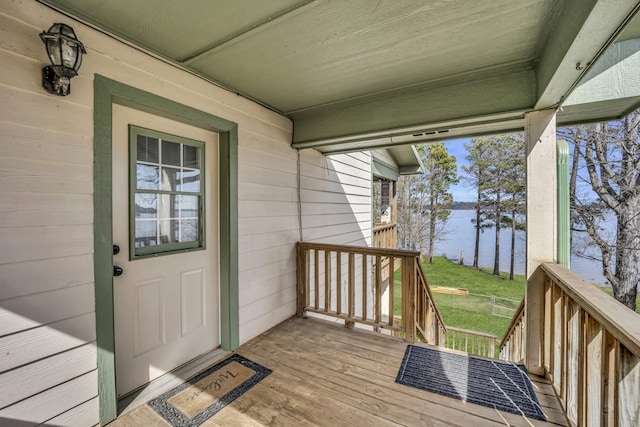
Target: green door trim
x=106 y=93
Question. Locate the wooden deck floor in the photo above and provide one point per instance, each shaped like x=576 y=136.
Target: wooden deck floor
x=326 y=375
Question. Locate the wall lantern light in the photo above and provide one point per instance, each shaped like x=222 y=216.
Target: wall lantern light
x=65 y=53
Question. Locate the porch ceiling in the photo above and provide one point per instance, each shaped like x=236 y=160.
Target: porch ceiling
x=361 y=73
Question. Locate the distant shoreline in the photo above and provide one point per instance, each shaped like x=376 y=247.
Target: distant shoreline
x=463 y=206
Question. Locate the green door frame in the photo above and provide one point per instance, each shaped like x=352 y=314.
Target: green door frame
x=106 y=93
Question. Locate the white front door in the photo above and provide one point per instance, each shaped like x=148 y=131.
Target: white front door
x=165 y=222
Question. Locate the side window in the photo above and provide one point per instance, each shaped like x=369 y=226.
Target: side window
x=166 y=193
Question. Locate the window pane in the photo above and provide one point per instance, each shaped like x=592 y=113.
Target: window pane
x=189 y=230
x=167 y=194
x=169 y=231
x=147 y=177
x=168 y=206
x=170 y=153
x=146 y=206
x=190 y=156
x=190 y=181
x=146 y=233
x=170 y=179
x=188 y=206
x=147 y=149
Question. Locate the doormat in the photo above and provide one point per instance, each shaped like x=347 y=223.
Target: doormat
x=494 y=383
x=192 y=403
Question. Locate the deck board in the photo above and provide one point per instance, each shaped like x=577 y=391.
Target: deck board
x=327 y=375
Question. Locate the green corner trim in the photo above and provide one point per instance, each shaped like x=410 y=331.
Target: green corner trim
x=106 y=93
x=564 y=232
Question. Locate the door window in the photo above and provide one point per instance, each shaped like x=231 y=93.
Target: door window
x=166 y=193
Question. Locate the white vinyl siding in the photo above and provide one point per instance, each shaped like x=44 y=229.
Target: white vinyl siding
x=336 y=198
x=47 y=317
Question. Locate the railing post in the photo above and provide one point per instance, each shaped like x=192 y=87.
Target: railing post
x=409 y=298
x=540 y=137
x=302 y=280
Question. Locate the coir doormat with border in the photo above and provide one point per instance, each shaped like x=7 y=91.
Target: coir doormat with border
x=192 y=403
x=494 y=383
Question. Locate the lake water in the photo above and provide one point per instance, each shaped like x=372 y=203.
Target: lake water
x=460 y=236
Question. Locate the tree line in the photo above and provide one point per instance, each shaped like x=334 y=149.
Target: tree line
x=604 y=185
x=495 y=169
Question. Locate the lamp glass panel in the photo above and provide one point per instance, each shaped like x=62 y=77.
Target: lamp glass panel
x=53 y=50
x=69 y=53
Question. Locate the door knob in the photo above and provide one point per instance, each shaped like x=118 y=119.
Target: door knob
x=117 y=271
x=116 y=249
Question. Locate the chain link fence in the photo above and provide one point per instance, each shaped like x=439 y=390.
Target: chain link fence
x=486 y=304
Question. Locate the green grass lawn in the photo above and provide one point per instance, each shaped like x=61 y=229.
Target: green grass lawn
x=447 y=274
x=465 y=313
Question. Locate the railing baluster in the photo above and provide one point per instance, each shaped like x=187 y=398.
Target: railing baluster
x=629 y=387
x=364 y=287
x=316 y=272
x=419 y=319
x=610 y=380
x=391 y=291
x=351 y=280
x=338 y=282
x=592 y=388
x=327 y=281
x=559 y=329
x=378 y=290
x=590 y=347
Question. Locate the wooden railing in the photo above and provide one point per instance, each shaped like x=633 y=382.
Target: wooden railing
x=346 y=282
x=512 y=345
x=385 y=236
x=590 y=345
x=471 y=342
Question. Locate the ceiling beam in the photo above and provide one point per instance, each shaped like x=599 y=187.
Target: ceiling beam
x=249 y=31
x=417 y=109
x=585 y=28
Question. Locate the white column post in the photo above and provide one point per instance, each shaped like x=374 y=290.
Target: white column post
x=540 y=137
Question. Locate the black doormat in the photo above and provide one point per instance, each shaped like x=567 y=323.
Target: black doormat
x=494 y=383
x=192 y=403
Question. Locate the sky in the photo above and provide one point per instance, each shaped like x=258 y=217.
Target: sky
x=463 y=191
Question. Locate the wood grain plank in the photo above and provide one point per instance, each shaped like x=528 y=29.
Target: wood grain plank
x=629 y=388
x=593 y=405
x=347 y=374
x=317 y=380
x=371 y=353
